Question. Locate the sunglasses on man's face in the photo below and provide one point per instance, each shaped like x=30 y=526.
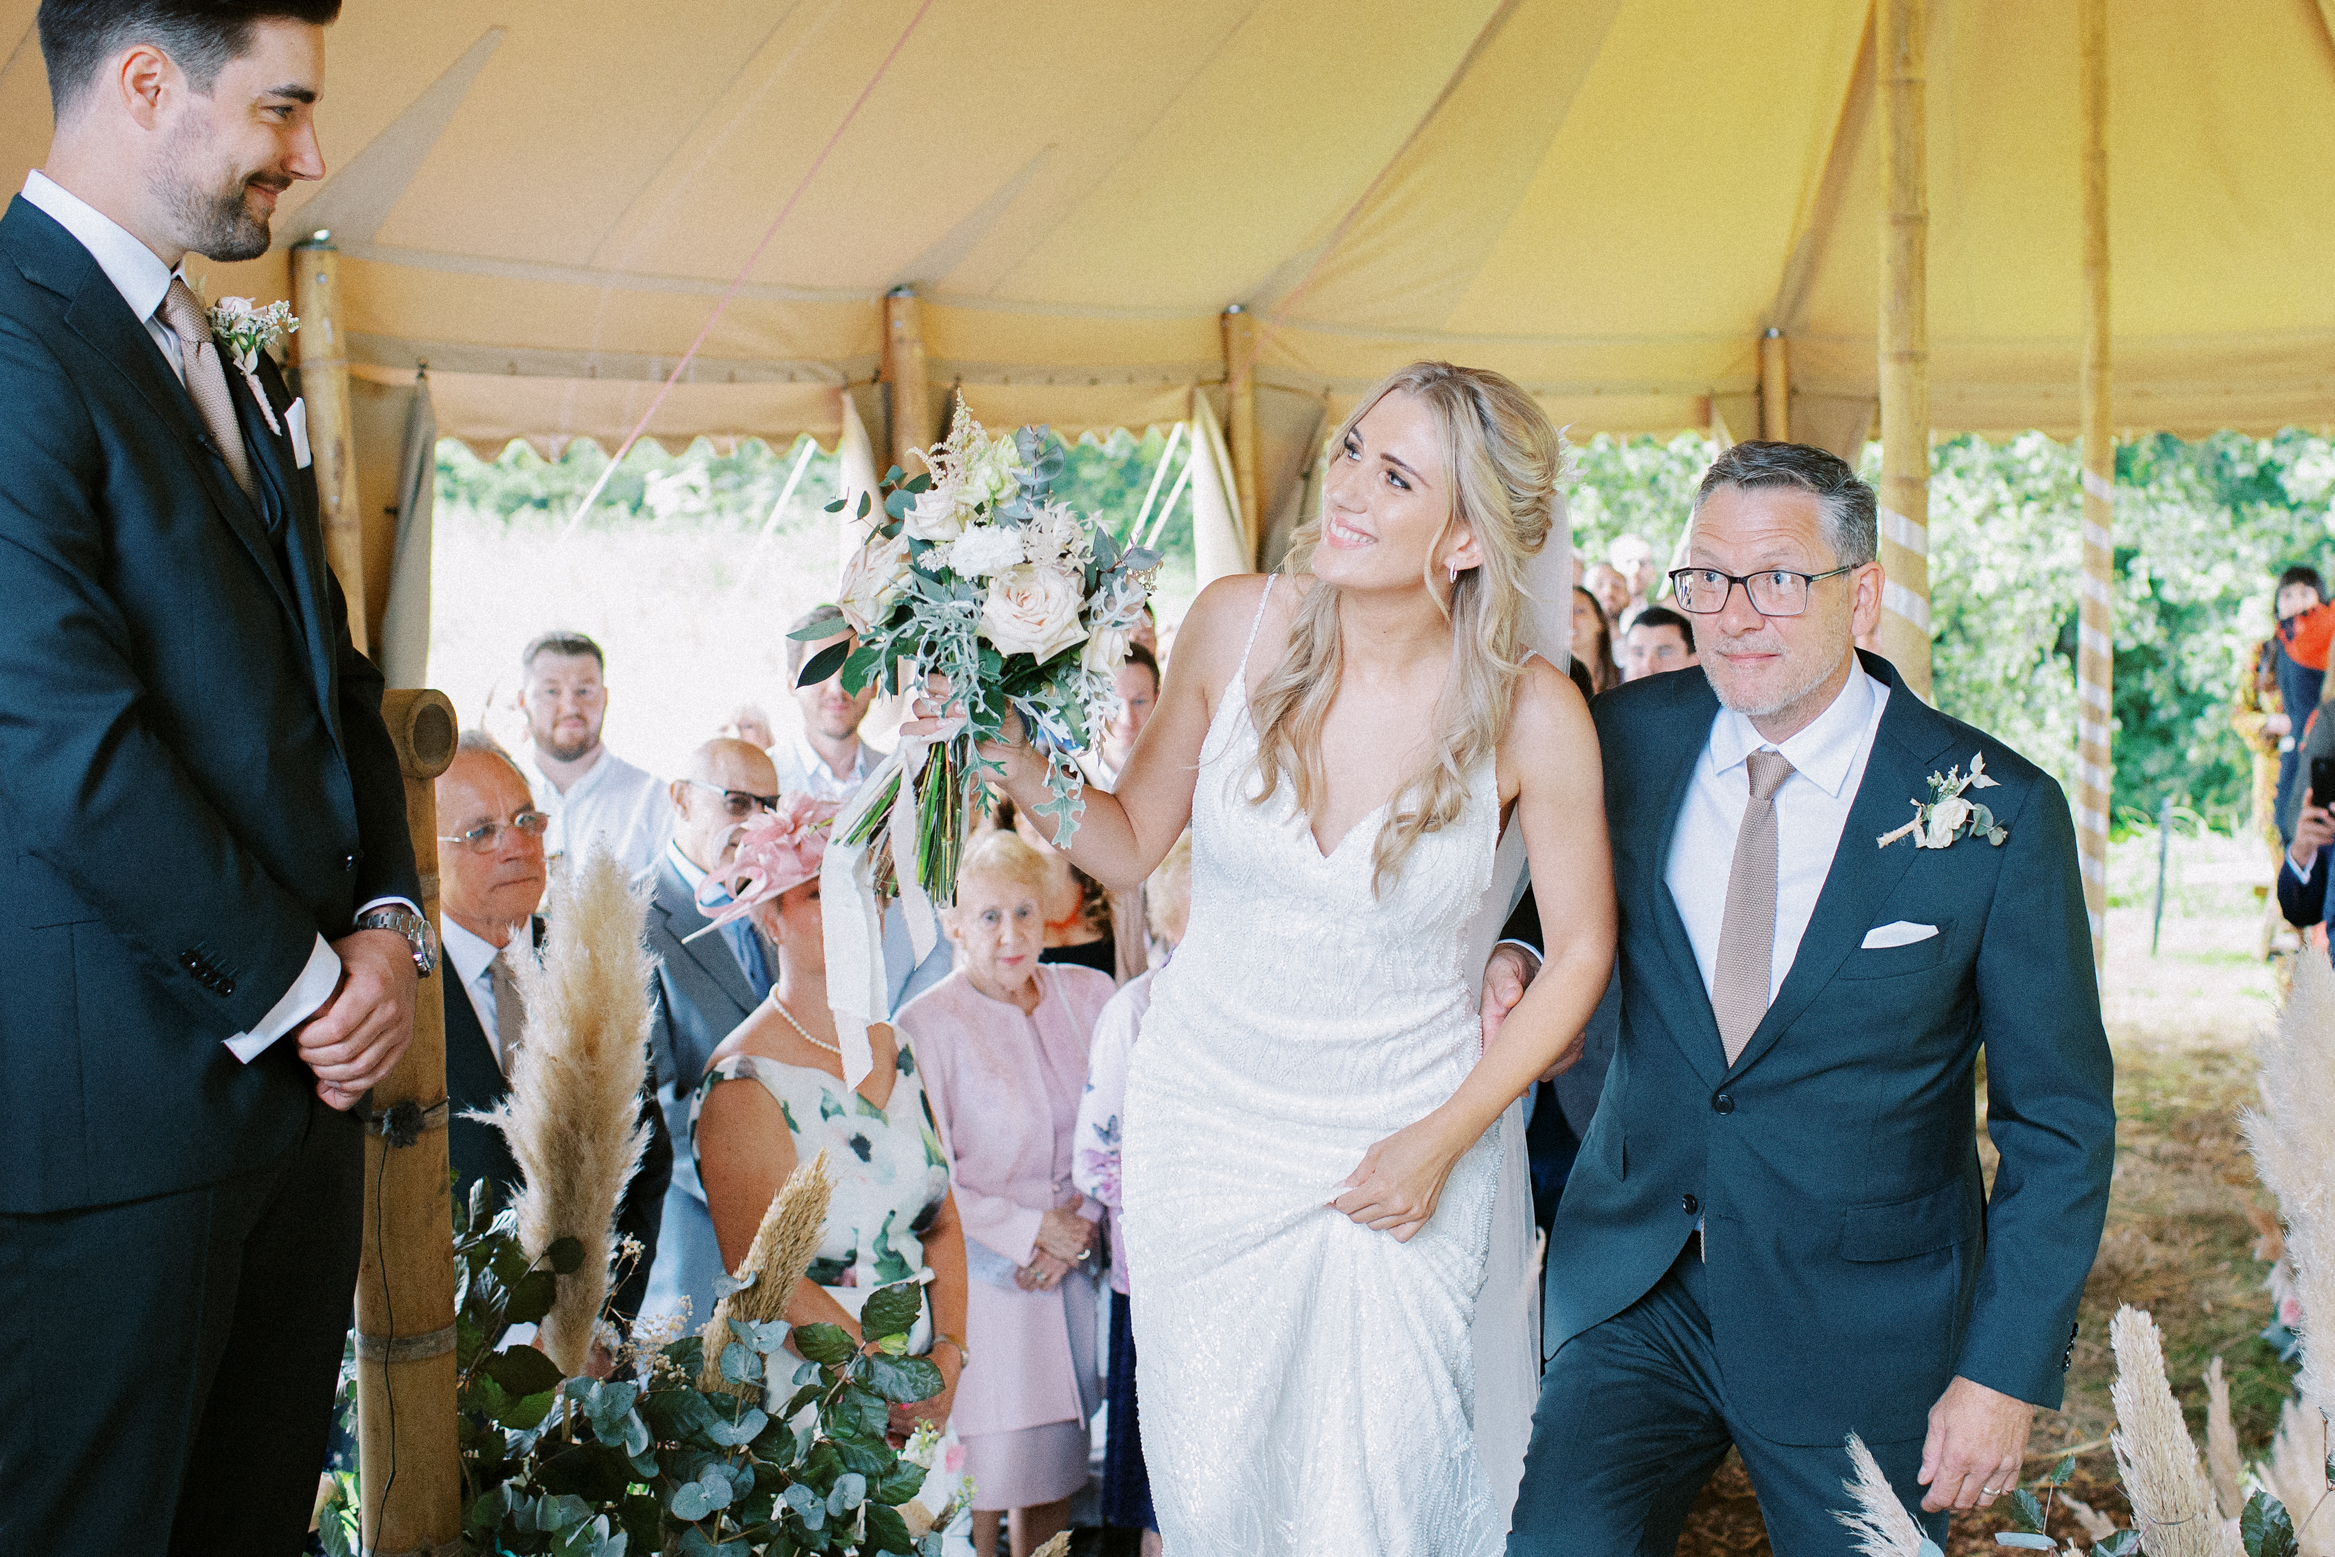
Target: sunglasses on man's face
x=738 y=803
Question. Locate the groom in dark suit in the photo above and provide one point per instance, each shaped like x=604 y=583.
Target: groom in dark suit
x=1777 y=1232
x=212 y=944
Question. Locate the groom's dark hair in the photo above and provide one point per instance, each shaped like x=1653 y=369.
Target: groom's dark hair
x=200 y=36
x=1851 y=524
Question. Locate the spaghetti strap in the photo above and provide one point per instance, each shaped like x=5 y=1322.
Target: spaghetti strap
x=1240 y=677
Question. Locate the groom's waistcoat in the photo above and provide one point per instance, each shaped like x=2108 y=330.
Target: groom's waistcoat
x=1856 y=1260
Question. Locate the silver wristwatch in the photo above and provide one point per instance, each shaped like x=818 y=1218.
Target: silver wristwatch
x=413 y=927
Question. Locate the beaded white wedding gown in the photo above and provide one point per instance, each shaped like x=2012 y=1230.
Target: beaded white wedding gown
x=1308 y=1385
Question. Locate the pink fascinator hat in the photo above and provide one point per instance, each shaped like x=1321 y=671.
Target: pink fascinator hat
x=777 y=850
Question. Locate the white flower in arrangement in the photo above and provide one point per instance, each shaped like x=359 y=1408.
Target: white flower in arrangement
x=869 y=579
x=1033 y=610
x=1057 y=535
x=1106 y=650
x=992 y=471
x=247 y=329
x=940 y=513
x=1947 y=816
x=984 y=550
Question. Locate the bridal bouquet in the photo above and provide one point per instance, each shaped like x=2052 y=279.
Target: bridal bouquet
x=976 y=574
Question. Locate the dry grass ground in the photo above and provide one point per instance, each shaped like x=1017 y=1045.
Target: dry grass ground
x=2178 y=1241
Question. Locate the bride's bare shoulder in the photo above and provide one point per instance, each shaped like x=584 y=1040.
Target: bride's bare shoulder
x=1548 y=707
x=1216 y=628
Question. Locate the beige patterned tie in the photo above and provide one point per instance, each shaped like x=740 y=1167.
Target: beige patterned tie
x=206 y=377
x=510 y=1010
x=1747 y=934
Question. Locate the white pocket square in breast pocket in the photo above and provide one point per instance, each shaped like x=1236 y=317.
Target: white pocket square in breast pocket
x=1903 y=933
x=296 y=422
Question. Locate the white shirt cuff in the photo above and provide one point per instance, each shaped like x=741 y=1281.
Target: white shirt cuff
x=2302 y=873
x=310 y=990
x=407 y=904
x=1530 y=950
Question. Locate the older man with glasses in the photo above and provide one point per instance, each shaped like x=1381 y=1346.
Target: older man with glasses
x=491 y=875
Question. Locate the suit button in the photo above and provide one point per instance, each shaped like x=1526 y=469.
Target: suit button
x=348 y=862
x=1690 y=1205
x=1722 y=1104
x=189 y=961
x=226 y=988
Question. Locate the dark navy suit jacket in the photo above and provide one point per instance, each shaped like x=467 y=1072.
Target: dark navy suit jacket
x=1857 y=1261
x=195 y=781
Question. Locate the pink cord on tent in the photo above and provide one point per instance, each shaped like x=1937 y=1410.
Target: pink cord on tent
x=744 y=271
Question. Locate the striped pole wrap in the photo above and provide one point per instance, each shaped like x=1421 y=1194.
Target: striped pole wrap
x=1904 y=333
x=2095 y=608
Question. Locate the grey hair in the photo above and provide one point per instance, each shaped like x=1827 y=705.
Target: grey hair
x=1850 y=515
x=476 y=740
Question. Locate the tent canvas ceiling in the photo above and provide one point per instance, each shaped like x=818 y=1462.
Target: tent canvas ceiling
x=1609 y=200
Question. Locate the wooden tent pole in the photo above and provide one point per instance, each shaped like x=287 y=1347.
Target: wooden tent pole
x=409 y=1474
x=1905 y=343
x=321 y=348
x=1240 y=420
x=2095 y=607
x=909 y=394
x=1775 y=387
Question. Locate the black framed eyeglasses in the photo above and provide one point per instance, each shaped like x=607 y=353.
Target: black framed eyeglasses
x=739 y=803
x=483 y=838
x=1771 y=591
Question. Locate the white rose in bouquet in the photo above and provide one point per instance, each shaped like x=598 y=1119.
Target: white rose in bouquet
x=940 y=513
x=1033 y=610
x=869 y=579
x=1106 y=650
x=986 y=549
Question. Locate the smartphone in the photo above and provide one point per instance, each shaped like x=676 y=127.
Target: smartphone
x=2322 y=780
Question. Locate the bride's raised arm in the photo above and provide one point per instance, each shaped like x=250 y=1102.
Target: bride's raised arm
x=1122 y=835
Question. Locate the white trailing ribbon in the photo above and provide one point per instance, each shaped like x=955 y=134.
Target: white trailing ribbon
x=852 y=916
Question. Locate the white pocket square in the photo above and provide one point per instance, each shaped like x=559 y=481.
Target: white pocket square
x=296 y=422
x=1903 y=933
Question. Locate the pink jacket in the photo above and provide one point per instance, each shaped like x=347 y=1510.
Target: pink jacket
x=1005 y=1089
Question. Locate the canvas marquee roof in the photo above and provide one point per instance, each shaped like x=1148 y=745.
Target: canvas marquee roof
x=1609 y=200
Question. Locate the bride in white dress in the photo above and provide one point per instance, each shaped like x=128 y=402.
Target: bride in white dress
x=1309 y=1164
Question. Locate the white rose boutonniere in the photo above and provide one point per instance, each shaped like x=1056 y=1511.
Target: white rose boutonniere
x=1949 y=814
x=246 y=331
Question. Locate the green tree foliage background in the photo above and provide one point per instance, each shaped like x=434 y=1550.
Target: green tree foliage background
x=2202 y=529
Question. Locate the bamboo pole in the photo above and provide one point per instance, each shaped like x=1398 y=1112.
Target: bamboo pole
x=1775 y=388
x=408 y=1470
x=321 y=347
x=1240 y=420
x=909 y=392
x=2095 y=610
x=1905 y=343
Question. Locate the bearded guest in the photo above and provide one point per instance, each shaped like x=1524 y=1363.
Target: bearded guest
x=491 y=876
x=210 y=901
x=827 y=759
x=1778 y=1231
x=587 y=790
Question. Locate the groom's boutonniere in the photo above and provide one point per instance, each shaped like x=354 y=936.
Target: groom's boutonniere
x=1948 y=816
x=246 y=331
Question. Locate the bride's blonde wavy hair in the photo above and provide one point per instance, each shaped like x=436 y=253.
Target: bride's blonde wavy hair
x=1503 y=463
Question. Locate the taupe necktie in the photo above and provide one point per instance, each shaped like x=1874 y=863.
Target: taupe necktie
x=206 y=377
x=1747 y=933
x=510 y=1010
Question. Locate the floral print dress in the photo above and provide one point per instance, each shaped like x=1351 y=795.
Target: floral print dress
x=891 y=1176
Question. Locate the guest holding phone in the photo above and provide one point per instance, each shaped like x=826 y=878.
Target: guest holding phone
x=2302 y=880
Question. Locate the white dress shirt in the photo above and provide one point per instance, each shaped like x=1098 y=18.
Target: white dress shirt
x=801 y=770
x=1828 y=760
x=628 y=809
x=471 y=959
x=138 y=273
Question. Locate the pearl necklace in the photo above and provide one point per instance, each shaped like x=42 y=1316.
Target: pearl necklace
x=777 y=1005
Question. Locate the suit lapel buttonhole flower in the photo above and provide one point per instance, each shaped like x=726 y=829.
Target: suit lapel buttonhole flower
x=246 y=330
x=1949 y=815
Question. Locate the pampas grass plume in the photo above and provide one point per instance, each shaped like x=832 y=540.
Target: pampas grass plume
x=1058 y=1547
x=573 y=1117
x=1879 y=1523
x=784 y=1246
x=2292 y=1137
x=2221 y=1443
x=2172 y=1505
x=2296 y=1475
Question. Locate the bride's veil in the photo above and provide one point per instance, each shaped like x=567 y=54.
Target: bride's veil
x=1507 y=1327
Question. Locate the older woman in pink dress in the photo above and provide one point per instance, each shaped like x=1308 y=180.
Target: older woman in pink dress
x=1003 y=1047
